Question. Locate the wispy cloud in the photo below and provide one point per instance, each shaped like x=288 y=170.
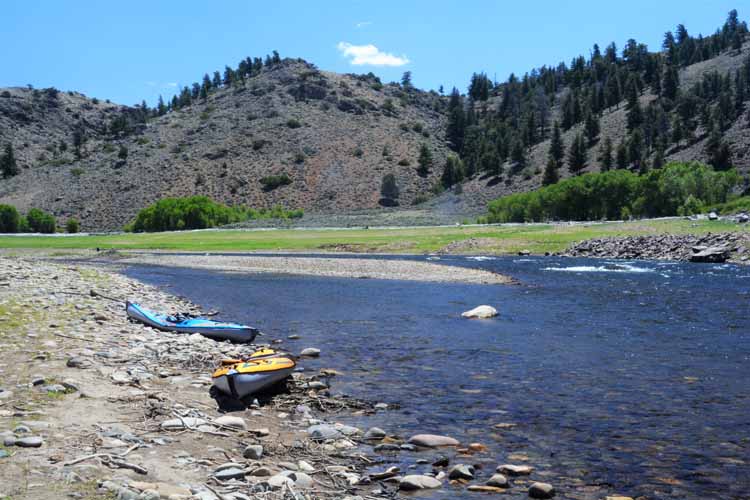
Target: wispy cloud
x=361 y=55
x=167 y=85
x=363 y=24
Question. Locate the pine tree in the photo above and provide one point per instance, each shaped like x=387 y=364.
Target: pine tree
x=216 y=82
x=406 y=80
x=605 y=155
x=592 y=128
x=161 y=109
x=577 y=154
x=621 y=156
x=8 y=164
x=671 y=82
x=551 y=175
x=518 y=154
x=207 y=82
x=456 y=121
x=424 y=161
x=634 y=116
x=453 y=172
x=635 y=149
x=389 y=189
x=720 y=156
x=658 y=160
x=556 y=146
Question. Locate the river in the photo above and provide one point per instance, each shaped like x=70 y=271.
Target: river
x=627 y=377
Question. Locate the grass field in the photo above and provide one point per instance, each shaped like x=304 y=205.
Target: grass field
x=491 y=239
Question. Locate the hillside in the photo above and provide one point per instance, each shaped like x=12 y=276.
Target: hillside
x=483 y=187
x=327 y=139
x=333 y=135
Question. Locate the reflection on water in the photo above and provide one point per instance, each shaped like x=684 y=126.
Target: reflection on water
x=618 y=376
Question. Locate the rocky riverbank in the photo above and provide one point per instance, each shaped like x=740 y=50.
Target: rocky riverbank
x=395 y=269
x=719 y=247
x=92 y=406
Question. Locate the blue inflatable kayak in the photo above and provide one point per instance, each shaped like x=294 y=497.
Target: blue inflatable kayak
x=216 y=330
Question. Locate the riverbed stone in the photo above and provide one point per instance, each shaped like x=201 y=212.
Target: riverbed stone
x=515 y=470
x=541 y=490
x=231 y=421
x=432 y=440
x=182 y=423
x=498 y=481
x=293 y=478
x=480 y=312
x=414 y=482
x=253 y=452
x=461 y=471
x=30 y=442
x=230 y=473
x=483 y=488
x=310 y=352
x=322 y=432
x=374 y=433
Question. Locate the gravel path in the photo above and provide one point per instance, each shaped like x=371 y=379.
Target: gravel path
x=322 y=266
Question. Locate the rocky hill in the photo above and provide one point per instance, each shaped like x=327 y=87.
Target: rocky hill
x=334 y=136
x=329 y=137
x=477 y=191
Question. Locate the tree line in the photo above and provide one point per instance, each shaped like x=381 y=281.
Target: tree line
x=498 y=123
x=35 y=221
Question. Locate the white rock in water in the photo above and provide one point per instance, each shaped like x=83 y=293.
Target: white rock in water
x=481 y=312
x=541 y=490
x=418 y=482
x=310 y=352
x=432 y=441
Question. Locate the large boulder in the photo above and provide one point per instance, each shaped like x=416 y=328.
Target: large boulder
x=480 y=312
x=716 y=254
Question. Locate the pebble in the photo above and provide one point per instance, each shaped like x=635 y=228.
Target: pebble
x=30 y=442
x=485 y=489
x=178 y=424
x=461 y=471
x=322 y=432
x=541 y=490
x=305 y=467
x=418 y=482
x=9 y=441
x=229 y=473
x=441 y=461
x=4 y=454
x=432 y=440
x=310 y=352
x=253 y=452
x=515 y=470
x=297 y=479
x=54 y=388
x=261 y=472
x=498 y=481
x=77 y=362
x=387 y=447
x=230 y=421
x=374 y=433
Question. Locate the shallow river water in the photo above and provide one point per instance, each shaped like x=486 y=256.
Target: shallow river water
x=626 y=377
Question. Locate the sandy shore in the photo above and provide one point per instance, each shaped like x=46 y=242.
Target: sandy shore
x=323 y=266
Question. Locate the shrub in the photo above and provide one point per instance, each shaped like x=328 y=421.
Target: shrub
x=259 y=143
x=9 y=219
x=123 y=152
x=271 y=182
x=403 y=162
x=293 y=123
x=40 y=221
x=299 y=158
x=193 y=212
x=72 y=226
x=611 y=195
x=358 y=152
x=76 y=172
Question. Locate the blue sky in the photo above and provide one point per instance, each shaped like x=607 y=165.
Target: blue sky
x=128 y=51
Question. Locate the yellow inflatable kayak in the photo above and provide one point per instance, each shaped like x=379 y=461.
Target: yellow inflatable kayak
x=242 y=378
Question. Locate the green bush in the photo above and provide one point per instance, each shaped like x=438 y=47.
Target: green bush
x=193 y=212
x=9 y=219
x=293 y=123
x=271 y=182
x=734 y=206
x=72 y=226
x=40 y=221
x=610 y=195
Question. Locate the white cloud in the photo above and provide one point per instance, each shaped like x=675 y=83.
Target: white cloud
x=362 y=55
x=170 y=85
x=362 y=24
